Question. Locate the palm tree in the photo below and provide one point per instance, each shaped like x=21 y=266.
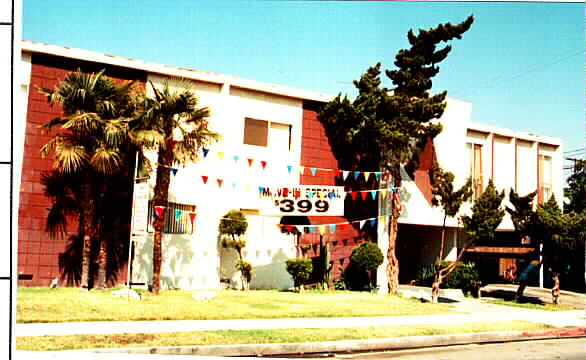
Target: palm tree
x=90 y=133
x=170 y=122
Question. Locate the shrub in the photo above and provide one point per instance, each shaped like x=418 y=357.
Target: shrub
x=368 y=257
x=355 y=278
x=300 y=270
x=245 y=269
x=465 y=276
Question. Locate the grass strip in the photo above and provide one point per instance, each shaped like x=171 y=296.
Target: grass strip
x=39 y=305
x=527 y=305
x=226 y=337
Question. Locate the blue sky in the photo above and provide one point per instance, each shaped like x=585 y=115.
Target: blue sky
x=521 y=65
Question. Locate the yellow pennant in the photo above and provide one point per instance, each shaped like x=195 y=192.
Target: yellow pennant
x=221 y=155
x=322 y=229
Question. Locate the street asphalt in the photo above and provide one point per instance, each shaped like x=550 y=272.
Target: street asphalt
x=468 y=310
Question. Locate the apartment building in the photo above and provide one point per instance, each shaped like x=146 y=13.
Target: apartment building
x=272 y=149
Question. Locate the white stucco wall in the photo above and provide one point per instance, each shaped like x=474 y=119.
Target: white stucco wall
x=194 y=261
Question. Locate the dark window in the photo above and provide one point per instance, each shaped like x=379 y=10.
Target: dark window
x=256 y=132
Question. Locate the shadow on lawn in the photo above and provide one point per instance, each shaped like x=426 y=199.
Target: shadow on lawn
x=509 y=295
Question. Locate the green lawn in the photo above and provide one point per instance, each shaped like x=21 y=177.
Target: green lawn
x=70 y=304
x=526 y=305
x=226 y=337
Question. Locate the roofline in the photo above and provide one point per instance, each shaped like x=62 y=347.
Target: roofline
x=515 y=134
x=86 y=55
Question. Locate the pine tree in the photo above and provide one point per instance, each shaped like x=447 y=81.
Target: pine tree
x=487 y=214
x=388 y=128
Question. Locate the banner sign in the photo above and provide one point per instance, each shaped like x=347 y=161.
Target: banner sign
x=300 y=200
x=140 y=205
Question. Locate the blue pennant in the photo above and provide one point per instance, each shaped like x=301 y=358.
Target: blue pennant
x=205 y=152
x=174 y=170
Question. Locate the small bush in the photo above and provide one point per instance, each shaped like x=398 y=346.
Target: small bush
x=300 y=270
x=465 y=276
x=368 y=256
x=355 y=278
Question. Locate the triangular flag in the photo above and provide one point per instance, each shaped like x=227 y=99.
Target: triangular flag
x=353 y=195
x=333 y=228
x=377 y=175
x=247 y=187
x=373 y=195
x=331 y=195
x=356 y=175
x=205 y=152
x=320 y=195
x=361 y=223
x=337 y=172
x=363 y=194
x=296 y=194
x=159 y=211
x=301 y=168
x=263 y=163
x=192 y=217
x=345 y=174
x=381 y=220
x=313 y=171
x=366 y=175
x=236 y=158
x=372 y=222
x=221 y=155
x=174 y=170
x=233 y=186
x=322 y=229
x=289 y=228
x=205 y=179
x=177 y=215
x=383 y=194
x=250 y=162
x=309 y=194
x=220 y=182
x=289 y=168
x=311 y=228
x=261 y=189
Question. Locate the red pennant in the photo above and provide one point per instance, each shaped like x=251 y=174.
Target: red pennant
x=289 y=228
x=159 y=211
x=192 y=217
x=297 y=194
x=220 y=181
x=250 y=162
x=205 y=179
x=285 y=192
x=363 y=194
x=353 y=194
x=337 y=172
x=263 y=163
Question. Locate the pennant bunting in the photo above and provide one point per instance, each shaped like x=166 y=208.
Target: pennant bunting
x=377 y=175
x=383 y=194
x=205 y=152
x=361 y=224
x=322 y=229
x=236 y=158
x=205 y=179
x=331 y=195
x=159 y=211
x=313 y=171
x=192 y=217
x=178 y=215
x=221 y=155
x=356 y=175
x=220 y=182
x=353 y=194
x=345 y=174
x=333 y=228
x=174 y=170
x=263 y=163
x=250 y=162
x=367 y=175
x=363 y=195
x=372 y=222
x=289 y=168
x=373 y=195
x=233 y=186
x=337 y=172
x=301 y=169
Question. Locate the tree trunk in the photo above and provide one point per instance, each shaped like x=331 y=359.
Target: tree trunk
x=161 y=198
x=438 y=278
x=393 y=265
x=102 y=262
x=88 y=232
x=555 y=290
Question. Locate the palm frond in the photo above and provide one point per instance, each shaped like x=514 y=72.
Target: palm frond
x=147 y=138
x=115 y=132
x=106 y=161
x=70 y=157
x=84 y=123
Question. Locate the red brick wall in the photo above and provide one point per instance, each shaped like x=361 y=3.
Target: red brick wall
x=316 y=152
x=37 y=252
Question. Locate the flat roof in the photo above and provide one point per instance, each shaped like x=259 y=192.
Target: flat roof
x=86 y=55
x=515 y=134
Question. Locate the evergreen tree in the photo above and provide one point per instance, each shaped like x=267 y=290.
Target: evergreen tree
x=388 y=128
x=487 y=214
x=450 y=200
x=576 y=190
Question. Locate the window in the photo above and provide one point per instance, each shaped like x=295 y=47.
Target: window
x=475 y=169
x=544 y=190
x=172 y=224
x=267 y=134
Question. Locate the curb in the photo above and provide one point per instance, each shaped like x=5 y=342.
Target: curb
x=349 y=346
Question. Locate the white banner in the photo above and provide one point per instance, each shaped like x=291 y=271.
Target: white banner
x=140 y=206
x=300 y=200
